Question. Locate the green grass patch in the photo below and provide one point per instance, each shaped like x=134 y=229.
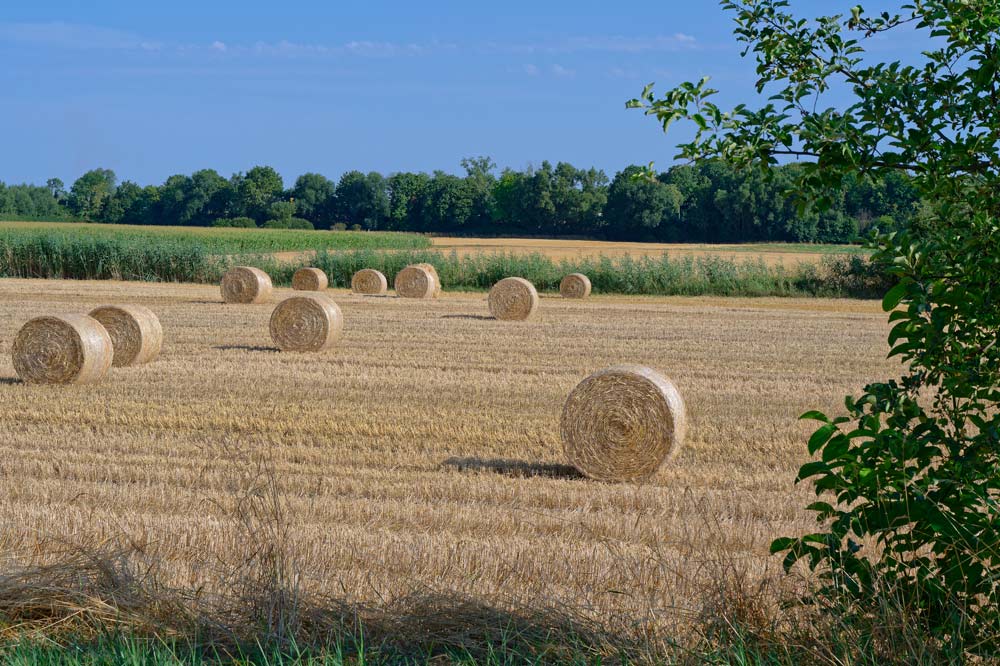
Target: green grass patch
x=212 y=240
x=62 y=256
x=845 y=276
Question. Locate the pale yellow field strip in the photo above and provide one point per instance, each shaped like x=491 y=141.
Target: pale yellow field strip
x=772 y=254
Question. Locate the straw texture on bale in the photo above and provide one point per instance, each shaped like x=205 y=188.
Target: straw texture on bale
x=310 y=279
x=575 y=285
x=369 y=281
x=513 y=299
x=136 y=334
x=246 y=284
x=416 y=281
x=437 y=279
x=621 y=423
x=70 y=349
x=307 y=323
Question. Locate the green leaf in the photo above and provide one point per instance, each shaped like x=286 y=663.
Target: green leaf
x=894 y=296
x=782 y=544
x=820 y=437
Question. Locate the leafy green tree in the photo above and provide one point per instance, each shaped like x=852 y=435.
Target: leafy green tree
x=507 y=211
x=313 y=196
x=448 y=203
x=636 y=207
x=910 y=476
x=145 y=207
x=89 y=193
x=404 y=191
x=238 y=222
x=281 y=210
x=124 y=199
x=255 y=191
x=57 y=188
x=479 y=181
x=361 y=199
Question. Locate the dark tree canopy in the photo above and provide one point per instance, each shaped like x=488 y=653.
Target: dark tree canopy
x=712 y=201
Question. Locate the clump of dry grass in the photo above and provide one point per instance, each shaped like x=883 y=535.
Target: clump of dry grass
x=310 y=279
x=369 y=281
x=307 y=323
x=417 y=281
x=135 y=330
x=575 y=285
x=68 y=349
x=513 y=299
x=246 y=284
x=621 y=423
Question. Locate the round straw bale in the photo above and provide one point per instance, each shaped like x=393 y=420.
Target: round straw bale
x=245 y=284
x=513 y=298
x=136 y=334
x=621 y=423
x=437 y=279
x=416 y=282
x=575 y=285
x=70 y=349
x=310 y=279
x=369 y=281
x=306 y=323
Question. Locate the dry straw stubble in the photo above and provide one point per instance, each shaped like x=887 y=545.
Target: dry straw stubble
x=416 y=281
x=306 y=323
x=246 y=284
x=369 y=281
x=621 y=423
x=513 y=299
x=310 y=279
x=68 y=349
x=575 y=285
x=135 y=330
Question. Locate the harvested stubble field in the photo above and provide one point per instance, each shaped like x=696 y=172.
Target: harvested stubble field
x=423 y=452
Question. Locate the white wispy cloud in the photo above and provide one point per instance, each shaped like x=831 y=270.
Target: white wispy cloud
x=623 y=73
x=531 y=70
x=58 y=34
x=61 y=35
x=562 y=72
x=678 y=41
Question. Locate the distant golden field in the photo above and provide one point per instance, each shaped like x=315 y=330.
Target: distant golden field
x=423 y=453
x=771 y=253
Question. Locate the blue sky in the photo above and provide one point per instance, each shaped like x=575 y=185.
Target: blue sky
x=152 y=89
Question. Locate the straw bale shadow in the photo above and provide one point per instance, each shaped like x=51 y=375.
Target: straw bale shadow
x=515 y=468
x=216 y=302
x=249 y=348
x=11 y=381
x=465 y=316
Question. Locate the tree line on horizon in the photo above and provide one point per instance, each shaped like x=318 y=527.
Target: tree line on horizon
x=709 y=202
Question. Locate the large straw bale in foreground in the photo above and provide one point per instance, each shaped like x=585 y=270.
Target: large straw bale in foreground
x=70 y=349
x=513 y=299
x=369 y=281
x=621 y=423
x=307 y=323
x=136 y=334
x=575 y=285
x=310 y=279
x=246 y=284
x=417 y=281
